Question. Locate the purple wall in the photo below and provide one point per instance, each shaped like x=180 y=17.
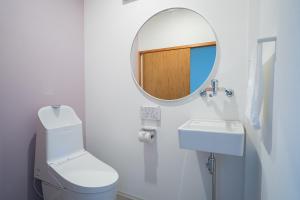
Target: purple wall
x=41 y=63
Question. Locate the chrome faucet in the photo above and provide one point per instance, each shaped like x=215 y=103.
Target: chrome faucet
x=214 y=87
x=214 y=90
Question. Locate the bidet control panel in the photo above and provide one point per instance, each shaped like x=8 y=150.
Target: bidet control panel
x=150 y=113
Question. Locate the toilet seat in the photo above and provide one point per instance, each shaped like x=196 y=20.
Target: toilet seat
x=85 y=174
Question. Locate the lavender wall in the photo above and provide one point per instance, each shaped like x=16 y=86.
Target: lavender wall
x=41 y=63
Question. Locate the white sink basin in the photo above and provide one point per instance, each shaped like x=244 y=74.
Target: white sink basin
x=215 y=136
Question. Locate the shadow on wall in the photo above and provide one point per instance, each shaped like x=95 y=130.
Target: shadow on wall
x=253 y=167
x=202 y=158
x=31 y=156
x=127 y=1
x=229 y=106
x=151 y=162
x=193 y=165
x=267 y=125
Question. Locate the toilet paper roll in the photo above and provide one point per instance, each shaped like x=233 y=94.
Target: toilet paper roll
x=149 y=137
x=141 y=136
x=146 y=136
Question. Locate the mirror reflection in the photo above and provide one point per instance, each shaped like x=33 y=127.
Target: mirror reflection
x=173 y=54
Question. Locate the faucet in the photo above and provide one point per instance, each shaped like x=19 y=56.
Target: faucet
x=214 y=87
x=214 y=90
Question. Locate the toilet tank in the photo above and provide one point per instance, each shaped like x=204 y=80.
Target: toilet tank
x=61 y=130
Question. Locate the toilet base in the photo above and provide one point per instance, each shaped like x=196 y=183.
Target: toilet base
x=53 y=193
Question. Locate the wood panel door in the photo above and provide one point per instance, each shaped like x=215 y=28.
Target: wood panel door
x=166 y=74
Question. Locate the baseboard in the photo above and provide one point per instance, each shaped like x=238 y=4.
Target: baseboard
x=124 y=196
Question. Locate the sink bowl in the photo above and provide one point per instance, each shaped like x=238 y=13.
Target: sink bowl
x=214 y=136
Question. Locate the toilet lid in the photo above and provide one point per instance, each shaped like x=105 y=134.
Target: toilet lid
x=85 y=174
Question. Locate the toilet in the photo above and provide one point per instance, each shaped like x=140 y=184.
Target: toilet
x=67 y=171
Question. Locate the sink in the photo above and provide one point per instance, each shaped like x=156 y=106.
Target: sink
x=214 y=136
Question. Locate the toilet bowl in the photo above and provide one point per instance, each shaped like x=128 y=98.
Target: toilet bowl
x=66 y=169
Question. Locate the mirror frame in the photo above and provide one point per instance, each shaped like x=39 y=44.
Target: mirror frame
x=204 y=84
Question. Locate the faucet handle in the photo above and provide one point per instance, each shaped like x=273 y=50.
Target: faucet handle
x=203 y=93
x=229 y=92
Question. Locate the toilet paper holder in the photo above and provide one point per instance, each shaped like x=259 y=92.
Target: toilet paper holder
x=149 y=128
x=151 y=131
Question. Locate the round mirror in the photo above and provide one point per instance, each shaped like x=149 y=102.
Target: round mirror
x=173 y=54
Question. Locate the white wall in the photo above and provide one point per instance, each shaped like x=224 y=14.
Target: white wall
x=174 y=28
x=272 y=164
x=162 y=171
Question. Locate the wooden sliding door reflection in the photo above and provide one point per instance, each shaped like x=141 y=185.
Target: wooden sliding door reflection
x=166 y=74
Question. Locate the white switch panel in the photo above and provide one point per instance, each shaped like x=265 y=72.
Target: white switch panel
x=150 y=113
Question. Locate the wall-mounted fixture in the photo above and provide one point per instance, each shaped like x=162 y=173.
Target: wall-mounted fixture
x=213 y=136
x=261 y=82
x=150 y=118
x=214 y=89
x=173 y=54
x=147 y=134
x=60 y=159
x=150 y=113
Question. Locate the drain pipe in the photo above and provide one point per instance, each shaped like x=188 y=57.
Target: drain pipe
x=212 y=168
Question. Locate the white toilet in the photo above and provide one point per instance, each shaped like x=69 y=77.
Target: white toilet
x=66 y=169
